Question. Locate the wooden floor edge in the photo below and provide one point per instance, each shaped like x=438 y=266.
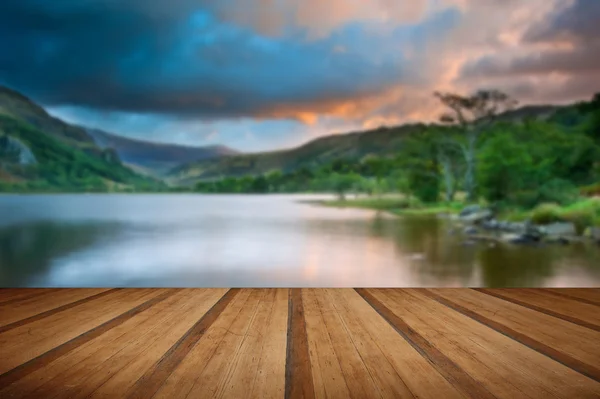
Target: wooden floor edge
x=56 y=310
x=154 y=378
x=298 y=372
x=42 y=360
x=455 y=375
x=554 y=354
x=10 y=301
x=572 y=297
x=540 y=309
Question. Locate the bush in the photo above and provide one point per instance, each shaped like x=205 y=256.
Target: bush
x=546 y=214
x=581 y=218
x=591 y=190
x=558 y=191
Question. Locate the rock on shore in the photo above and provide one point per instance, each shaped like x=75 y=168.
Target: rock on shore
x=479 y=224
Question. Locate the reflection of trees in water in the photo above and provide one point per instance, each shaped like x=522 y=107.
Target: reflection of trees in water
x=509 y=266
x=28 y=250
x=445 y=257
x=499 y=266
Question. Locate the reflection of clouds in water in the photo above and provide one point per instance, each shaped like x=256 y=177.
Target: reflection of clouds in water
x=173 y=240
x=196 y=252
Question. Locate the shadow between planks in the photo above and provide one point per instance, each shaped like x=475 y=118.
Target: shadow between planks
x=299 y=343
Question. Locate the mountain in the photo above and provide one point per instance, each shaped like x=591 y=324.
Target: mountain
x=16 y=105
x=385 y=141
x=41 y=153
x=155 y=158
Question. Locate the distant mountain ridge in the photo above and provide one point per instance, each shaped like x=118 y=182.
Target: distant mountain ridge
x=39 y=152
x=15 y=104
x=384 y=141
x=155 y=157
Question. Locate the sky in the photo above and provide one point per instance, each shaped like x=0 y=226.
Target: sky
x=259 y=75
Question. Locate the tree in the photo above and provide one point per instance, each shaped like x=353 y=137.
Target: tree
x=419 y=160
x=473 y=114
x=505 y=167
x=341 y=184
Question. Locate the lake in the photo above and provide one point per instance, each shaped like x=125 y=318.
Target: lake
x=257 y=241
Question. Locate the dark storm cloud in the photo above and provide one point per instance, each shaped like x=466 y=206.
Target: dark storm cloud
x=171 y=57
x=567 y=43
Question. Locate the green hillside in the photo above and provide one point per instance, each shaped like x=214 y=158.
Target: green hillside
x=41 y=153
x=382 y=142
x=18 y=106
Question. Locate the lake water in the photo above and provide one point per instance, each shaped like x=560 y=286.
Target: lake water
x=256 y=241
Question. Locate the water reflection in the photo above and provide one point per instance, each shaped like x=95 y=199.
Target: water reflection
x=217 y=241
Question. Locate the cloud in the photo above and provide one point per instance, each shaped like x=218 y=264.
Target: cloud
x=556 y=58
x=132 y=58
x=181 y=69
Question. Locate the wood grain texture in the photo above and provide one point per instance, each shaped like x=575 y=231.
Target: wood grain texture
x=505 y=367
x=572 y=311
x=298 y=343
x=443 y=364
x=585 y=295
x=41 y=360
x=19 y=315
x=298 y=374
x=556 y=339
x=152 y=380
x=589 y=294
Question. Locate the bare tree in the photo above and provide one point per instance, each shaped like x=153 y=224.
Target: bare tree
x=474 y=114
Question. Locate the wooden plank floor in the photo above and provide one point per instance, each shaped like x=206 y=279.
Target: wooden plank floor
x=299 y=343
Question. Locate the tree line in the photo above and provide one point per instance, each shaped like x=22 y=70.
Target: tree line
x=523 y=162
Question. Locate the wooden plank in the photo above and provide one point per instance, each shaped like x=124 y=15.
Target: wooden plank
x=444 y=365
x=244 y=364
x=167 y=334
x=366 y=325
x=153 y=379
x=122 y=368
x=270 y=377
x=387 y=382
x=140 y=303
x=298 y=377
x=89 y=372
x=570 y=310
x=503 y=366
x=181 y=381
x=213 y=378
x=567 y=343
x=21 y=315
x=328 y=378
x=24 y=343
x=96 y=351
x=16 y=295
x=591 y=294
x=586 y=295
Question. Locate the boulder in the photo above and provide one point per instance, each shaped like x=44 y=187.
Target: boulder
x=477 y=217
x=517 y=238
x=561 y=229
x=491 y=224
x=15 y=151
x=593 y=233
x=468 y=210
x=470 y=231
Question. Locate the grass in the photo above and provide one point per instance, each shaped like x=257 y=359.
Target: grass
x=397 y=205
x=583 y=213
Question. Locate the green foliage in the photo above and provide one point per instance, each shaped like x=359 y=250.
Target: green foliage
x=505 y=168
x=546 y=214
x=62 y=167
x=521 y=163
x=591 y=190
